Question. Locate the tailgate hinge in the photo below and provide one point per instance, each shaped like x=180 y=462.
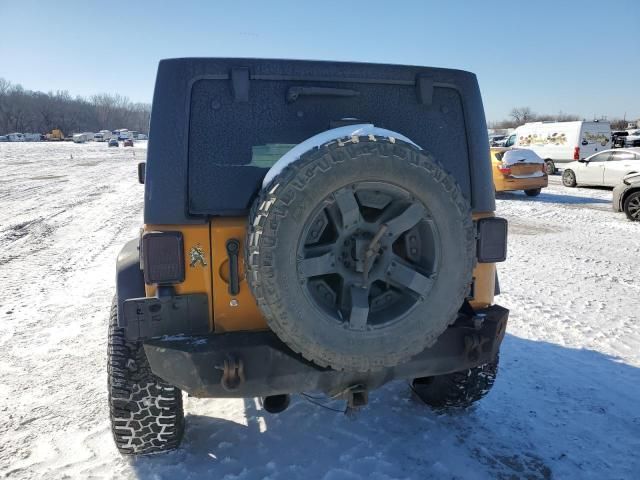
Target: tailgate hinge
x=240 y=84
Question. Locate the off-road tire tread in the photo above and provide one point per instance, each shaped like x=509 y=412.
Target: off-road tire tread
x=146 y=413
x=273 y=203
x=458 y=390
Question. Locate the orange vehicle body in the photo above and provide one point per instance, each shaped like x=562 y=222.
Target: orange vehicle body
x=240 y=312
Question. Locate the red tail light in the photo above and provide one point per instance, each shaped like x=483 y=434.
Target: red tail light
x=505 y=170
x=576 y=153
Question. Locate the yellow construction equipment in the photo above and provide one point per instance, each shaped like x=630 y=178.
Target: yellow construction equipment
x=55 y=135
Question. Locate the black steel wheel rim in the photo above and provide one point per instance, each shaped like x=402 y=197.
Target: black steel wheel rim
x=368 y=255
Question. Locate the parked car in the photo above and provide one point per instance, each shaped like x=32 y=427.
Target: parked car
x=3 y=138
x=632 y=139
x=363 y=259
x=618 y=139
x=626 y=197
x=128 y=142
x=114 y=142
x=562 y=142
x=518 y=169
x=497 y=140
x=15 y=137
x=606 y=168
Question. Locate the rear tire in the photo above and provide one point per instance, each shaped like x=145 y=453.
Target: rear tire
x=458 y=389
x=146 y=413
x=533 y=192
x=632 y=207
x=549 y=167
x=569 y=178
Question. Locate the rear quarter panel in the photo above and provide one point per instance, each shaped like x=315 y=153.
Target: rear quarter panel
x=198 y=277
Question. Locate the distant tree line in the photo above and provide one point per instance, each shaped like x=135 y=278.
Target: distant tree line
x=38 y=112
x=521 y=115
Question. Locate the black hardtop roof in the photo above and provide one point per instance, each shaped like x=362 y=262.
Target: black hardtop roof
x=382 y=70
x=174 y=149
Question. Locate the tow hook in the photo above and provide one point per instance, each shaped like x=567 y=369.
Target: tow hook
x=357 y=398
x=232 y=373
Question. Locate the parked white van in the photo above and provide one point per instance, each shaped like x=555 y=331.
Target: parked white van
x=562 y=142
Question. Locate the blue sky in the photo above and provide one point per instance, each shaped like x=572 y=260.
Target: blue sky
x=549 y=55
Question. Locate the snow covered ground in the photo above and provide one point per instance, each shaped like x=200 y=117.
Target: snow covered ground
x=566 y=403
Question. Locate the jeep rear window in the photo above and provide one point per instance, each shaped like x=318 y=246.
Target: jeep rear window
x=233 y=143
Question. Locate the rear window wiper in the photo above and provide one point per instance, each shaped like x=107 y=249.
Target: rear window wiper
x=293 y=93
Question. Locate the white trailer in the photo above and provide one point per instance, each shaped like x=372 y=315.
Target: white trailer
x=32 y=137
x=80 y=137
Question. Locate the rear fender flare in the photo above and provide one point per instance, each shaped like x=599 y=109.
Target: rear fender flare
x=129 y=278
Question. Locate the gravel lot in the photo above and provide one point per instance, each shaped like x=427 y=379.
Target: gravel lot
x=565 y=404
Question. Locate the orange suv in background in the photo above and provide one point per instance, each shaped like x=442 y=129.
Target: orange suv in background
x=518 y=169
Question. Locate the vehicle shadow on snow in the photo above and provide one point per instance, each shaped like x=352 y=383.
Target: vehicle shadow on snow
x=554 y=412
x=547 y=197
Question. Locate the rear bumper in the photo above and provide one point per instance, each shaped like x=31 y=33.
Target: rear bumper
x=530 y=183
x=252 y=364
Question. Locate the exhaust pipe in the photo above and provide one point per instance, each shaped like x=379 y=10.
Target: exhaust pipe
x=275 y=403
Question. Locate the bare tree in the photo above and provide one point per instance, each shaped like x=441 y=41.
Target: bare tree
x=619 y=124
x=28 y=111
x=522 y=115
